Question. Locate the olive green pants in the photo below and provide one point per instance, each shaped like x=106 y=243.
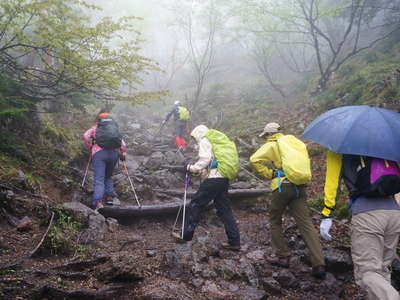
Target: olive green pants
x=294 y=197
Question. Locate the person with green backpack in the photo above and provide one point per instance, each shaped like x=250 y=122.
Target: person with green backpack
x=289 y=169
x=181 y=117
x=218 y=163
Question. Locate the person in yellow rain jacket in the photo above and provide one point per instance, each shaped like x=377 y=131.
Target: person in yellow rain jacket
x=291 y=196
x=375 y=226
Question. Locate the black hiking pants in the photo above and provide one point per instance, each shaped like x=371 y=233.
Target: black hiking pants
x=212 y=189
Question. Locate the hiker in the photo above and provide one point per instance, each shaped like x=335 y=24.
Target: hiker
x=106 y=145
x=375 y=220
x=218 y=163
x=181 y=116
x=285 y=193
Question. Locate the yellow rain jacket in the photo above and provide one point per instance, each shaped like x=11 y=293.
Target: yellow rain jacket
x=268 y=153
x=332 y=181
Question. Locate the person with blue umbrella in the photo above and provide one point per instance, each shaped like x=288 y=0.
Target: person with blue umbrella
x=364 y=144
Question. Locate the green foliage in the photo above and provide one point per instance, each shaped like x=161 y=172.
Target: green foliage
x=371 y=79
x=316 y=203
x=340 y=212
x=65 y=51
x=13 y=107
x=62 y=237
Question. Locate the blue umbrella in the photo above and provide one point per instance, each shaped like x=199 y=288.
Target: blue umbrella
x=359 y=130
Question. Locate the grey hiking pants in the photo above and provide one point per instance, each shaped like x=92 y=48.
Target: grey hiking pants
x=180 y=128
x=294 y=197
x=374 y=238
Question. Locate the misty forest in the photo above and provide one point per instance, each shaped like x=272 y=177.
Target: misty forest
x=110 y=189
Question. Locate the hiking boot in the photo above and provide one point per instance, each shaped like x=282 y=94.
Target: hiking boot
x=99 y=205
x=230 y=247
x=318 y=272
x=280 y=261
x=109 y=200
x=178 y=238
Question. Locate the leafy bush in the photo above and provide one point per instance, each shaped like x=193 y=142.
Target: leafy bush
x=62 y=237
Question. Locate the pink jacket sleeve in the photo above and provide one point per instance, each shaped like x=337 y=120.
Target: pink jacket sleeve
x=122 y=149
x=89 y=136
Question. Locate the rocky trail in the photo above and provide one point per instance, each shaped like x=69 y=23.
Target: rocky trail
x=131 y=255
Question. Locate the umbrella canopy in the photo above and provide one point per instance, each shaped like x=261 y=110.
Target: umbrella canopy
x=359 y=130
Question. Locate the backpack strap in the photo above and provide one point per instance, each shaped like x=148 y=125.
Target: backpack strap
x=362 y=162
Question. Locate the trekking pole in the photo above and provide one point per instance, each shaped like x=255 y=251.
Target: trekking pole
x=184 y=201
x=130 y=181
x=176 y=219
x=87 y=169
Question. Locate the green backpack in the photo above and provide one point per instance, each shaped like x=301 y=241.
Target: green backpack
x=183 y=113
x=225 y=153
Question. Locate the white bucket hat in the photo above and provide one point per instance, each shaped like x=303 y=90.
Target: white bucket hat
x=177 y=102
x=270 y=128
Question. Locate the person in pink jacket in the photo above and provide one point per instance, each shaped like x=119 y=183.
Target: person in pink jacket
x=104 y=156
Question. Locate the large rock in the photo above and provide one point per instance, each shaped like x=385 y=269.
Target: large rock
x=286 y=279
x=231 y=269
x=164 y=179
x=271 y=286
x=123 y=267
x=79 y=211
x=96 y=230
x=338 y=260
x=155 y=161
x=131 y=165
x=177 y=261
x=95 y=222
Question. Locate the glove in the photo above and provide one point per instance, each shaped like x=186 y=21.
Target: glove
x=325 y=227
x=186 y=168
x=122 y=156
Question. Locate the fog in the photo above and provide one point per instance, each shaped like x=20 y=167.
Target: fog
x=232 y=47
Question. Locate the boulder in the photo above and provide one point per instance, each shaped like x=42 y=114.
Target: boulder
x=286 y=279
x=96 y=223
x=122 y=267
x=112 y=224
x=155 y=161
x=271 y=286
x=96 y=229
x=79 y=211
x=338 y=260
x=177 y=261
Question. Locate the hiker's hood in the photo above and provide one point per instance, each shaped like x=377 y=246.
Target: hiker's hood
x=199 y=132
